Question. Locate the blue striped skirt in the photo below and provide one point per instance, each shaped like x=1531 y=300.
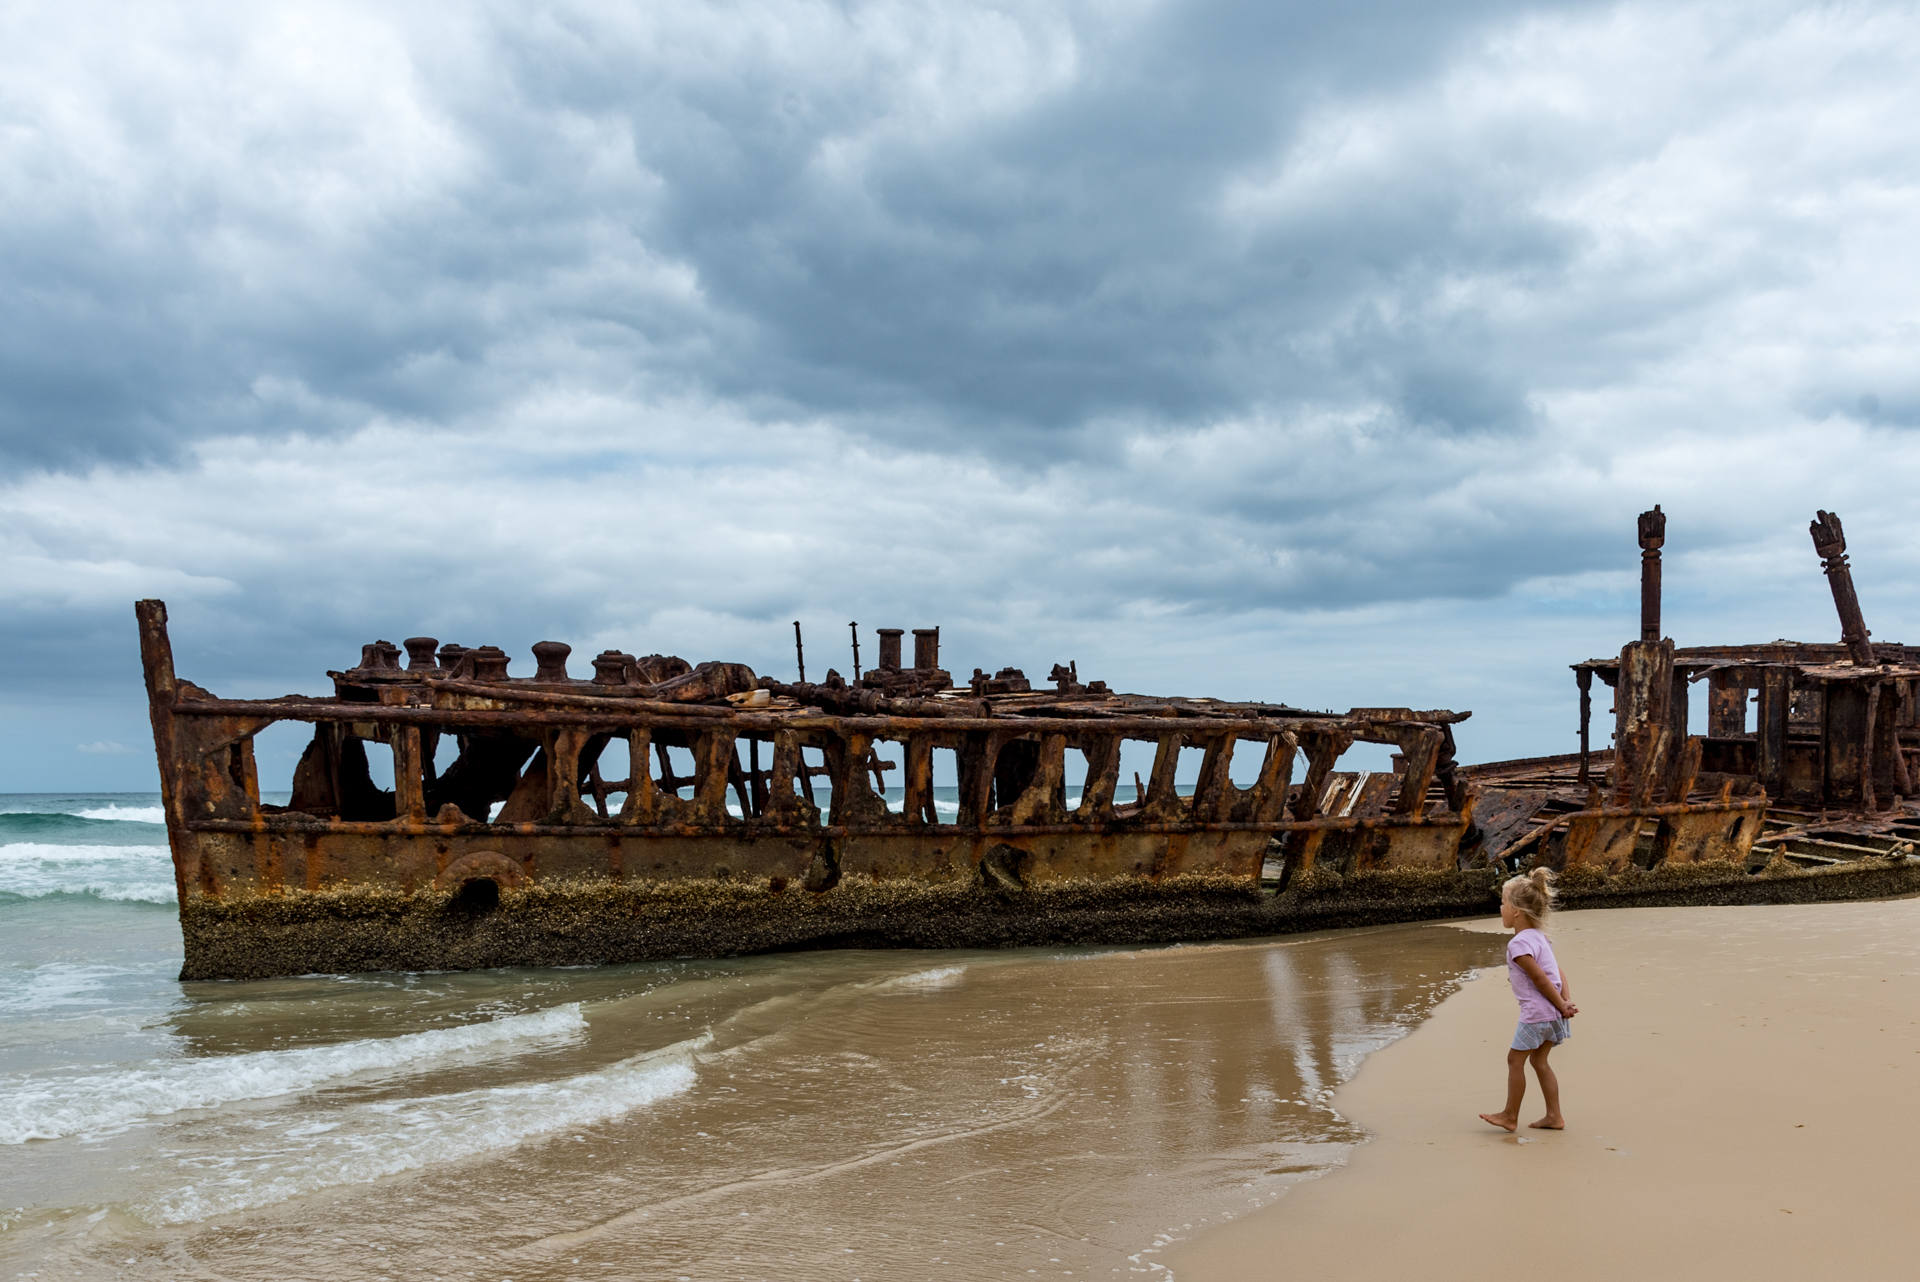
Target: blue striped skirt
x=1531 y=1037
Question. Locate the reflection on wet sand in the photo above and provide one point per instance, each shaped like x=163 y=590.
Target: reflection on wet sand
x=823 y=1115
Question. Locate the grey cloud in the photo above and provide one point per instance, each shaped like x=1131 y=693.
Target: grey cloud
x=1202 y=345
x=974 y=277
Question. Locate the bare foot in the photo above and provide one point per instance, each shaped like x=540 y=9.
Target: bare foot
x=1549 y=1124
x=1501 y=1120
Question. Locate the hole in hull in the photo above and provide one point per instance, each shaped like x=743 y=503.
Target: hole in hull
x=477 y=896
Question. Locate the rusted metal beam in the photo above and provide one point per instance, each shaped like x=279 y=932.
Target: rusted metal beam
x=1653 y=534
x=1830 y=543
x=684 y=717
x=1583 y=677
x=1643 y=713
x=744 y=828
x=156 y=660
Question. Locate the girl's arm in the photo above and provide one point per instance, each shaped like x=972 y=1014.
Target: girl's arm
x=1531 y=969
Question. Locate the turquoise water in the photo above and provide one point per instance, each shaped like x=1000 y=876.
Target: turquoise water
x=825 y=1115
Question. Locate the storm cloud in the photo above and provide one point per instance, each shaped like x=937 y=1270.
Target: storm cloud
x=1320 y=354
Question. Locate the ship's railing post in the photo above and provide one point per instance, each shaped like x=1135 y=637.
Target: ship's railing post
x=409 y=788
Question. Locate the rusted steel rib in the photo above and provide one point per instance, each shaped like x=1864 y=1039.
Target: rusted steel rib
x=1830 y=543
x=528 y=806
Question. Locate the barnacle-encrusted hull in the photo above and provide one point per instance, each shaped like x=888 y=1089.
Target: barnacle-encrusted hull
x=513 y=855
x=574 y=923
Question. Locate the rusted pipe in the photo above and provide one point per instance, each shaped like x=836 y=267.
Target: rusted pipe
x=1653 y=534
x=1830 y=544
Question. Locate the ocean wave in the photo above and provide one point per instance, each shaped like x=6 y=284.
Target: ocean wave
x=126 y=814
x=33 y=870
x=362 y=1143
x=58 y=984
x=45 y=1106
x=938 y=977
x=65 y=829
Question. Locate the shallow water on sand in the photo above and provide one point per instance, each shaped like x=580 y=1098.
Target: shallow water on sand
x=829 y=1115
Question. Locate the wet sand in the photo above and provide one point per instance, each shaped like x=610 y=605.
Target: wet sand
x=804 y=1117
x=1742 y=1094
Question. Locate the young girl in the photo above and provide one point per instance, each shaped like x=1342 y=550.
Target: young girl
x=1541 y=989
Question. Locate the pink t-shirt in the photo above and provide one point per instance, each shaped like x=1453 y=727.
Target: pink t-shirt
x=1534 y=1006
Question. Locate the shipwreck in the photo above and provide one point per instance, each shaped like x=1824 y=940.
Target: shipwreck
x=659 y=809
x=748 y=813
x=1808 y=760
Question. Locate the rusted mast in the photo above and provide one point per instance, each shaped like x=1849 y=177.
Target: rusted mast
x=1830 y=544
x=855 y=629
x=1653 y=533
x=1643 y=697
x=799 y=652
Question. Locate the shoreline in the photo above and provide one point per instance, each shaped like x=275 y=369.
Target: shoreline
x=575 y=921
x=1739 y=1092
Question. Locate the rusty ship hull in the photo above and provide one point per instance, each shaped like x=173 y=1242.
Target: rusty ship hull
x=736 y=850
x=752 y=815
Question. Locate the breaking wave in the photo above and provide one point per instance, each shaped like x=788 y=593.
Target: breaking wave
x=44 y=1106
x=64 y=984
x=364 y=1142
x=32 y=870
x=939 y=977
x=33 y=825
x=126 y=814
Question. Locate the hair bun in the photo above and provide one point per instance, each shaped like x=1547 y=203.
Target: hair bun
x=1531 y=894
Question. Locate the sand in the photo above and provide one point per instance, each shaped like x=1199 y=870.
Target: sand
x=1742 y=1094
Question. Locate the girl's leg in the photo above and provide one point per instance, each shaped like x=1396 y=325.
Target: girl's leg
x=1509 y=1118
x=1550 y=1087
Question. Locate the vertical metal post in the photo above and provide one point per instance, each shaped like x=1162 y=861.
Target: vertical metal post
x=799 y=652
x=855 y=627
x=156 y=658
x=1770 y=727
x=1653 y=533
x=1583 y=677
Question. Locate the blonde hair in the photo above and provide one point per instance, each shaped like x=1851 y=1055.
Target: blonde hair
x=1531 y=895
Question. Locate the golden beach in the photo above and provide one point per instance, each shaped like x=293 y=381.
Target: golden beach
x=1740 y=1102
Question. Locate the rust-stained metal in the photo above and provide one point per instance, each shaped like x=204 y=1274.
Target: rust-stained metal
x=1653 y=534
x=1824 y=759
x=662 y=808
x=717 y=796
x=1830 y=543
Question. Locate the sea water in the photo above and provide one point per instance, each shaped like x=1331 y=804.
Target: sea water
x=814 y=1115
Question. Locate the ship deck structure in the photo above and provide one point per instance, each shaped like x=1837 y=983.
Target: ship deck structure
x=660 y=809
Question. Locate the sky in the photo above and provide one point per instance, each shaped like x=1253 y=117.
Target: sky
x=1267 y=350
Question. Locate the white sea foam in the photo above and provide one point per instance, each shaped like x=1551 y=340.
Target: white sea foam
x=41 y=1106
x=364 y=1142
x=57 y=984
x=939 y=977
x=33 y=869
x=126 y=814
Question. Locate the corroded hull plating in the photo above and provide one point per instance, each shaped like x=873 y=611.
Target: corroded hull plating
x=732 y=857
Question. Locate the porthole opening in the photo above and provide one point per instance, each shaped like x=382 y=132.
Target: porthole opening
x=477 y=895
